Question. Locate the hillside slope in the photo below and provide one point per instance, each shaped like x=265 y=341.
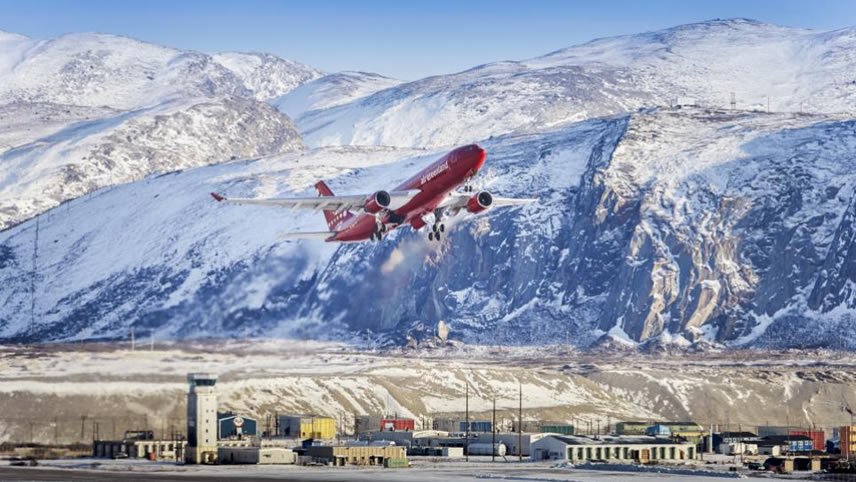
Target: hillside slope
x=84 y=111
x=787 y=69
x=660 y=226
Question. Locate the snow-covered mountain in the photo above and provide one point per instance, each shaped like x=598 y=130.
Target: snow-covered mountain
x=790 y=69
x=330 y=91
x=80 y=155
x=266 y=75
x=84 y=111
x=89 y=69
x=664 y=225
x=654 y=224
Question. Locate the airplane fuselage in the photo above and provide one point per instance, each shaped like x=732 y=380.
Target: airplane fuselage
x=434 y=183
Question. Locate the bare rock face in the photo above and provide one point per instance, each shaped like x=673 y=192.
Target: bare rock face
x=687 y=229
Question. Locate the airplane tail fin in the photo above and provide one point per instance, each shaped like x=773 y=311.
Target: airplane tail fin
x=333 y=218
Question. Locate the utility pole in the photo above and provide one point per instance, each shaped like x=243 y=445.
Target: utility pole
x=467 y=439
x=520 y=423
x=83 y=428
x=733 y=101
x=133 y=342
x=493 y=431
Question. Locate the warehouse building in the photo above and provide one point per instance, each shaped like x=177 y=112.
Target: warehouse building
x=306 y=427
x=510 y=440
x=528 y=426
x=784 y=444
x=611 y=449
x=476 y=426
x=767 y=430
x=418 y=438
x=358 y=455
x=632 y=428
x=255 y=455
x=847 y=440
x=446 y=424
x=140 y=444
x=689 y=431
x=366 y=423
x=557 y=428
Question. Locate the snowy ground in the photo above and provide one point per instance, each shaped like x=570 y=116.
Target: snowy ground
x=421 y=470
x=45 y=390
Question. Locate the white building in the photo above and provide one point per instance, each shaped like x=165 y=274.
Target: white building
x=510 y=439
x=255 y=455
x=737 y=448
x=171 y=450
x=201 y=419
x=610 y=449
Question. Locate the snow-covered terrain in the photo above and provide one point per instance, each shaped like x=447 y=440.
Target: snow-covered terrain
x=84 y=111
x=659 y=225
x=788 y=69
x=90 y=69
x=330 y=91
x=258 y=378
x=687 y=226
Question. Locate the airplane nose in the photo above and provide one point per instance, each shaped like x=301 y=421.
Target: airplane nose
x=480 y=155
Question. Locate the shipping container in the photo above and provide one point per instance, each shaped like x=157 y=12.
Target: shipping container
x=397 y=424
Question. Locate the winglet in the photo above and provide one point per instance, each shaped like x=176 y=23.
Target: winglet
x=217 y=197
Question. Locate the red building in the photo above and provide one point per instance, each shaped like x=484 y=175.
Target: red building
x=818 y=438
x=397 y=424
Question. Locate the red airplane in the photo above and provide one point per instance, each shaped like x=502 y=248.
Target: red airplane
x=363 y=217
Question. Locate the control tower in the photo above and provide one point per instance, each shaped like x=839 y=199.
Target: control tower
x=201 y=419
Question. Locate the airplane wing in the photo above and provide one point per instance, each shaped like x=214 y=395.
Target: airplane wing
x=317 y=203
x=459 y=200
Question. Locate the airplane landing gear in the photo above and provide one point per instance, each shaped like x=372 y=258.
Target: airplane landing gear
x=436 y=229
x=379 y=231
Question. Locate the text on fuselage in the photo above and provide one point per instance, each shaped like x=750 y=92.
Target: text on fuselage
x=435 y=172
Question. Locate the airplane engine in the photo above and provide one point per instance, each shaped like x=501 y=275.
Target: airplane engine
x=481 y=201
x=377 y=202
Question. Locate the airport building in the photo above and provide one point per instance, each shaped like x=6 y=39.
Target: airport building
x=257 y=454
x=140 y=445
x=306 y=427
x=847 y=440
x=232 y=425
x=622 y=449
x=201 y=419
x=385 y=455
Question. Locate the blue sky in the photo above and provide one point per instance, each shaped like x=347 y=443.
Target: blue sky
x=407 y=39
